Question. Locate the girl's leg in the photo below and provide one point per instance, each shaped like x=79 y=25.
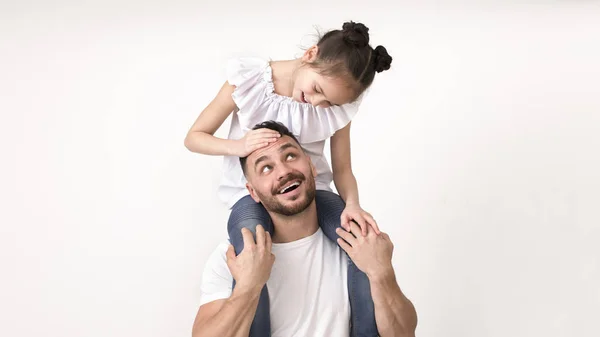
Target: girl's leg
x=247 y=213
x=329 y=211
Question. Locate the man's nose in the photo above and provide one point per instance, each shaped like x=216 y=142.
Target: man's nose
x=283 y=170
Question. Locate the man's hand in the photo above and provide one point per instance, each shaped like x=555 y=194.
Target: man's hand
x=252 y=267
x=395 y=314
x=232 y=317
x=372 y=253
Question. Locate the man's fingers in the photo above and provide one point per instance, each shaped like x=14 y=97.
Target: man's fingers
x=260 y=236
x=248 y=238
x=348 y=237
x=230 y=254
x=268 y=242
x=355 y=229
x=344 y=245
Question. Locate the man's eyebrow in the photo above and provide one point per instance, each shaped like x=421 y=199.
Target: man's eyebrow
x=286 y=146
x=258 y=160
x=281 y=149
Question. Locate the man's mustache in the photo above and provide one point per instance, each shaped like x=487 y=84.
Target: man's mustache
x=291 y=176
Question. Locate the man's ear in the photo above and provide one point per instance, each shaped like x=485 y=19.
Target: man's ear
x=311 y=54
x=312 y=167
x=253 y=194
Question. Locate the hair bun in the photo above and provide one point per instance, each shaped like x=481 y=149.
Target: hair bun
x=356 y=34
x=382 y=59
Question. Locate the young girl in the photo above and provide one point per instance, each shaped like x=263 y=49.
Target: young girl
x=315 y=97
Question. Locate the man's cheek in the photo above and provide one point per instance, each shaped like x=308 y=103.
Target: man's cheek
x=313 y=170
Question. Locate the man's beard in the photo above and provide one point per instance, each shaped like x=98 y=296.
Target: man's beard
x=272 y=204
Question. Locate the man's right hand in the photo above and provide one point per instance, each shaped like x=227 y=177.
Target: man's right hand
x=252 y=267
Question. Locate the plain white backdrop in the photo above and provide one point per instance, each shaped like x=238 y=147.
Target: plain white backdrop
x=478 y=152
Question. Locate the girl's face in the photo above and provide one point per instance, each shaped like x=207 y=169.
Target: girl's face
x=318 y=90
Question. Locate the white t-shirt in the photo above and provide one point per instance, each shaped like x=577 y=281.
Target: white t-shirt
x=257 y=102
x=308 y=288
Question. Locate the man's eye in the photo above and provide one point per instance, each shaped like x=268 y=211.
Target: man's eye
x=290 y=156
x=266 y=169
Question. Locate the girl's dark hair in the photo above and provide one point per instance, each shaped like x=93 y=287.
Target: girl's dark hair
x=347 y=52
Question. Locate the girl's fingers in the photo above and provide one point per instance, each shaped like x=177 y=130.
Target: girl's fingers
x=373 y=223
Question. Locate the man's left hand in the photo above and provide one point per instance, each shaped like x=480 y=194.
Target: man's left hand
x=372 y=253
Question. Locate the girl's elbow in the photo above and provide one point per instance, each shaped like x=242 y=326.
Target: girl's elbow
x=189 y=141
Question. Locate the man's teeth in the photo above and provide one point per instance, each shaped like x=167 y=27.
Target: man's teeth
x=285 y=189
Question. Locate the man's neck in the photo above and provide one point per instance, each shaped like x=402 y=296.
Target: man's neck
x=296 y=227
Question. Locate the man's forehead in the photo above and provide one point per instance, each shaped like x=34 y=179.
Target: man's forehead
x=272 y=148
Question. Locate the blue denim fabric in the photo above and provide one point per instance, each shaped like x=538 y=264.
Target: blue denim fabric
x=247 y=213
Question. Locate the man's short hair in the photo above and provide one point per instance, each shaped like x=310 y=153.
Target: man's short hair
x=272 y=125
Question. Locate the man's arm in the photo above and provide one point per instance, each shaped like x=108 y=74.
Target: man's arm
x=232 y=317
x=395 y=314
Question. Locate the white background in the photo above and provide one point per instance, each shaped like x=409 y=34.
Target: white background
x=479 y=152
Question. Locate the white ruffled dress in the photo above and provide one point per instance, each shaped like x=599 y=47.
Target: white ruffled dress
x=257 y=102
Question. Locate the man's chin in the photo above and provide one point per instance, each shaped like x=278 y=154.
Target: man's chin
x=291 y=210
x=285 y=199
x=289 y=207
x=292 y=203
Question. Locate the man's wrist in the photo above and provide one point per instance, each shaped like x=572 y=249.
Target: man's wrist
x=384 y=275
x=246 y=290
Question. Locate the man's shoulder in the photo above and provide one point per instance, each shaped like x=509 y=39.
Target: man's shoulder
x=216 y=279
x=219 y=254
x=216 y=264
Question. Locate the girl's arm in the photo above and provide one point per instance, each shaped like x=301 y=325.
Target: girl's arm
x=345 y=182
x=200 y=137
x=341 y=165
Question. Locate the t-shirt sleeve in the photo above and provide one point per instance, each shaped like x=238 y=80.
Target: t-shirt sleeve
x=216 y=278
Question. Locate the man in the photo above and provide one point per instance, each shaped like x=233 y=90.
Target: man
x=307 y=283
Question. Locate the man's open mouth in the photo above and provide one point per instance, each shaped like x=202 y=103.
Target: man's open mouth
x=290 y=187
